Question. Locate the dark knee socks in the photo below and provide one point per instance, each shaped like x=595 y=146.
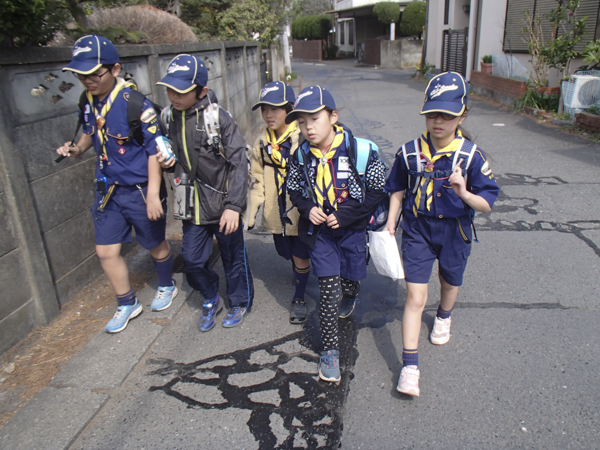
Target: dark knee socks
x=164 y=269
x=350 y=288
x=331 y=295
x=126 y=299
x=301 y=278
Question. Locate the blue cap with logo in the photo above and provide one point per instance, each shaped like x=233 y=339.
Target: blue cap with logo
x=90 y=53
x=275 y=93
x=311 y=100
x=185 y=72
x=447 y=92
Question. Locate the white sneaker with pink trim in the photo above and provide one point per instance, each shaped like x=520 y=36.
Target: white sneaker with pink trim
x=441 y=331
x=409 y=381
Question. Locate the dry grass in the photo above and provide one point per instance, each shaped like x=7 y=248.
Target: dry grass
x=148 y=24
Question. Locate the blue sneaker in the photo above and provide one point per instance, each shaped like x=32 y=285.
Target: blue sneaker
x=329 y=366
x=122 y=317
x=209 y=311
x=235 y=316
x=164 y=297
x=347 y=306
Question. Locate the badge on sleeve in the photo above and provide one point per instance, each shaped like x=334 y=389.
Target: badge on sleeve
x=486 y=169
x=152 y=129
x=148 y=115
x=121 y=151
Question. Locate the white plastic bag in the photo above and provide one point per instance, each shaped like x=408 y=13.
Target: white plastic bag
x=383 y=249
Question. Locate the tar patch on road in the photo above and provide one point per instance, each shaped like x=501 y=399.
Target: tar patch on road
x=277 y=381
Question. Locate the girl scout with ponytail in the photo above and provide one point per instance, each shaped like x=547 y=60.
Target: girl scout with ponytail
x=269 y=167
x=335 y=201
x=438 y=181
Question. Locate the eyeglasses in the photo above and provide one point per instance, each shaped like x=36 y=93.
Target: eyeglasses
x=94 y=78
x=436 y=114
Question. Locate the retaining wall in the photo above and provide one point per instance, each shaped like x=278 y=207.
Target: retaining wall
x=47 y=251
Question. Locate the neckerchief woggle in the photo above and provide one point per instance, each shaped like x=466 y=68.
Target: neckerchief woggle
x=101 y=115
x=276 y=156
x=424 y=196
x=324 y=182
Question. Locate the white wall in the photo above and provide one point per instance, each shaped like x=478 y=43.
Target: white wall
x=491 y=33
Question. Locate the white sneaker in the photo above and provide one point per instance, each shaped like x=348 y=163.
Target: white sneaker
x=409 y=381
x=441 y=331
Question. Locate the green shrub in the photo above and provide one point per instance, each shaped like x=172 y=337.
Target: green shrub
x=331 y=51
x=387 y=12
x=311 y=27
x=487 y=59
x=413 y=19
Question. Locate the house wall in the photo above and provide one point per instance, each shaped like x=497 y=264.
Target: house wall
x=47 y=251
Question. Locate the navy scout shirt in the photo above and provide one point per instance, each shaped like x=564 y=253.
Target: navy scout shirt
x=126 y=162
x=446 y=204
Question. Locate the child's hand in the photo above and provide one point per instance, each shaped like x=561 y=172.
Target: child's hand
x=230 y=220
x=390 y=227
x=332 y=221
x=457 y=181
x=161 y=160
x=317 y=217
x=154 y=208
x=69 y=150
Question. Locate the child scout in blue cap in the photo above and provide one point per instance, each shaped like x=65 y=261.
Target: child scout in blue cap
x=129 y=187
x=217 y=170
x=438 y=180
x=268 y=167
x=335 y=204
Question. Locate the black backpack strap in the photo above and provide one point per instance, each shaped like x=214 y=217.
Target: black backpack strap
x=134 y=112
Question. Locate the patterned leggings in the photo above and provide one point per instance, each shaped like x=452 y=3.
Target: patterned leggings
x=331 y=294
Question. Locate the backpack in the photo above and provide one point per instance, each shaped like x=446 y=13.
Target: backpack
x=412 y=158
x=360 y=154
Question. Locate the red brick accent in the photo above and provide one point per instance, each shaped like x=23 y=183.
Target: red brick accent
x=373 y=52
x=310 y=50
x=501 y=85
x=588 y=121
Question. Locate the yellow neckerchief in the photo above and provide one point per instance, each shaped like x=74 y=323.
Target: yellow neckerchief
x=324 y=181
x=101 y=115
x=276 y=157
x=427 y=183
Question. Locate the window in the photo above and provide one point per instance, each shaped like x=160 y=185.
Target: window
x=342 y=33
x=515 y=12
x=447 y=12
x=351 y=32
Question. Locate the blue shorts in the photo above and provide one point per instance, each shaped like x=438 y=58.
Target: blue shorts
x=425 y=239
x=125 y=209
x=288 y=246
x=340 y=252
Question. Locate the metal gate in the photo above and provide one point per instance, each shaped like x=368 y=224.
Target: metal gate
x=454 y=56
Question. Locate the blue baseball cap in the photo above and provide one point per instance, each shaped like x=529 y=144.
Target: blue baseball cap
x=90 y=53
x=276 y=93
x=447 y=92
x=185 y=72
x=311 y=100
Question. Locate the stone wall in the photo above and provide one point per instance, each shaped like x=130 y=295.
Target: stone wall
x=47 y=251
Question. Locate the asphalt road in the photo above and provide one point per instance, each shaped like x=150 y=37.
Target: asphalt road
x=520 y=371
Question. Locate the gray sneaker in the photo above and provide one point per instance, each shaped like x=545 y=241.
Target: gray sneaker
x=329 y=366
x=347 y=306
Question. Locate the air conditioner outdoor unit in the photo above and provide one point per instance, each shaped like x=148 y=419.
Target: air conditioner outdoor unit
x=580 y=92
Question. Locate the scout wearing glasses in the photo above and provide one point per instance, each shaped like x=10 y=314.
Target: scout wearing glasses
x=335 y=205
x=220 y=184
x=438 y=181
x=269 y=167
x=129 y=188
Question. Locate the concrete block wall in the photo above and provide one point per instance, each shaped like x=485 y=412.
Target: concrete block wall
x=47 y=251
